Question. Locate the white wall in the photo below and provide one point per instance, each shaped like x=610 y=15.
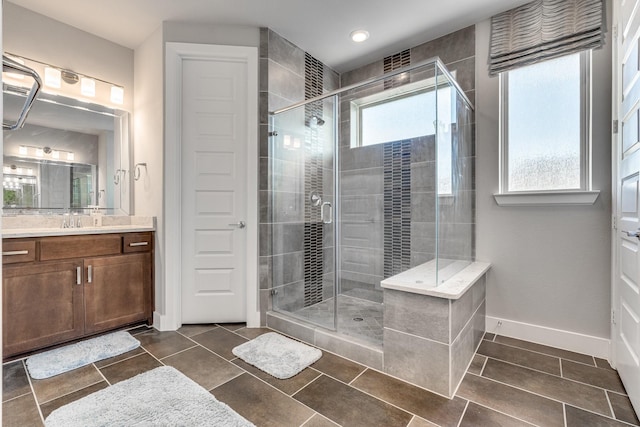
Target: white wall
x=148 y=136
x=189 y=32
x=550 y=265
x=38 y=37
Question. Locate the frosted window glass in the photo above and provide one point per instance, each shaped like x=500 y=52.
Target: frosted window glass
x=544 y=131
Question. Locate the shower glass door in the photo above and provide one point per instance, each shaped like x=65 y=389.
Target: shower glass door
x=302 y=212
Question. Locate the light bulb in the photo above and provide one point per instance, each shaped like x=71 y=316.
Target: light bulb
x=117 y=95
x=359 y=36
x=87 y=86
x=52 y=77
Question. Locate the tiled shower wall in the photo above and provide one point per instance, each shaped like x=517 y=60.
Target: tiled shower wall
x=282 y=214
x=374 y=240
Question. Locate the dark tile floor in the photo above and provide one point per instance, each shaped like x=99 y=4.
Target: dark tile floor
x=509 y=383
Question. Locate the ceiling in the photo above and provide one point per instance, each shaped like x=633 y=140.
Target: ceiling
x=320 y=27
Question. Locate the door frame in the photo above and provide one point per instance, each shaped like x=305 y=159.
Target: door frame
x=615 y=140
x=175 y=54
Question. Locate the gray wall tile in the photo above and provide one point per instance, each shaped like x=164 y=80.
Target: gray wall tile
x=462 y=351
x=349 y=348
x=361 y=260
x=290 y=327
x=288 y=268
x=361 y=74
x=285 y=83
x=416 y=360
x=461 y=311
x=286 y=53
x=287 y=237
x=450 y=48
x=363 y=181
x=420 y=315
x=361 y=157
x=266 y=272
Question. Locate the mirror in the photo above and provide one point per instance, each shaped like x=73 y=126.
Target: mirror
x=69 y=156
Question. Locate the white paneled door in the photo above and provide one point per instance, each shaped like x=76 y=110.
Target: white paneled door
x=213 y=189
x=626 y=292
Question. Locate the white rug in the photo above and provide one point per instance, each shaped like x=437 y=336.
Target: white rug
x=160 y=397
x=277 y=355
x=63 y=359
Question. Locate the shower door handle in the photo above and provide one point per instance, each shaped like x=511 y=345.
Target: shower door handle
x=324 y=218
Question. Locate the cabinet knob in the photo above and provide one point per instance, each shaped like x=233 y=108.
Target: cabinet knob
x=78 y=275
x=89 y=274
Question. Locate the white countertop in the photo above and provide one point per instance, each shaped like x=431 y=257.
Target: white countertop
x=419 y=280
x=42 y=226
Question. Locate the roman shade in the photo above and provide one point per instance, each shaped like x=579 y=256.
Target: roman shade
x=544 y=29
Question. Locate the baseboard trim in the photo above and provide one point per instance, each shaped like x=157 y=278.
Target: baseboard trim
x=162 y=322
x=566 y=340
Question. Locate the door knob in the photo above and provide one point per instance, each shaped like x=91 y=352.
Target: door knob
x=632 y=233
x=239 y=224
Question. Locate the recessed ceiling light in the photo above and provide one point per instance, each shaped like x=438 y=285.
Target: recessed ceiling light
x=359 y=36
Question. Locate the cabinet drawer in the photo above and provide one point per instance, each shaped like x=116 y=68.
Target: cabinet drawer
x=65 y=247
x=137 y=242
x=18 y=251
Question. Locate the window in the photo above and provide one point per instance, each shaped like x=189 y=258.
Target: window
x=408 y=112
x=545 y=122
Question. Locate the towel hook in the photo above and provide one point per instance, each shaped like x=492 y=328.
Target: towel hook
x=136 y=172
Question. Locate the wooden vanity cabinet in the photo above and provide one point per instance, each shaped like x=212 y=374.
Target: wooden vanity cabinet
x=41 y=305
x=74 y=286
x=108 y=306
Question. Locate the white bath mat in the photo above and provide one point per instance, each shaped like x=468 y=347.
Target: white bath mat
x=277 y=355
x=63 y=359
x=160 y=397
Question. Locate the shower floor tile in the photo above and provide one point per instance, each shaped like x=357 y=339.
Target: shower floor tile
x=358 y=318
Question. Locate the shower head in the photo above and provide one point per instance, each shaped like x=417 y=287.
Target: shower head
x=315 y=121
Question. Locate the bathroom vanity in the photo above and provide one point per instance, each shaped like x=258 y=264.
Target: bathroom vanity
x=60 y=285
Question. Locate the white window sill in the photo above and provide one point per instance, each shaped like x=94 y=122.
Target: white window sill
x=547 y=198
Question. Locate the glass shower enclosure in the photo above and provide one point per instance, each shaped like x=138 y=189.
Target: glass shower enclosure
x=368 y=183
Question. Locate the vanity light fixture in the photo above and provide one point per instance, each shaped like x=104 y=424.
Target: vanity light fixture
x=88 y=87
x=117 y=95
x=359 y=36
x=52 y=77
x=30 y=151
x=69 y=82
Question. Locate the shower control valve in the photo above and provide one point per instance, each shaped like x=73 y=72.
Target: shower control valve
x=315 y=198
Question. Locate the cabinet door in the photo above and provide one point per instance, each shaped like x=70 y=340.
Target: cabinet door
x=117 y=291
x=42 y=305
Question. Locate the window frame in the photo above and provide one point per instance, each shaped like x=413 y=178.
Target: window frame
x=585 y=144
